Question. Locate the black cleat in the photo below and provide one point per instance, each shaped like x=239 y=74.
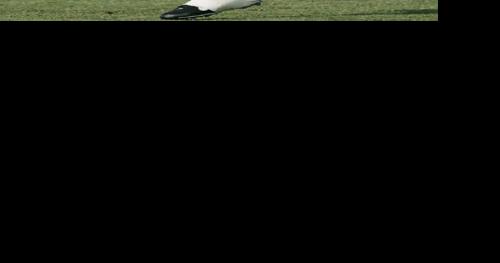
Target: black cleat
x=256 y=4
x=186 y=12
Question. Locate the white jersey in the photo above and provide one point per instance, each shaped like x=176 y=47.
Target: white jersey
x=221 y=5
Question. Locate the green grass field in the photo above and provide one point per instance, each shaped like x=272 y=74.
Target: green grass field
x=271 y=10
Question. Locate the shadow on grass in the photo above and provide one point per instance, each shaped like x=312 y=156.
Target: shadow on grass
x=402 y=12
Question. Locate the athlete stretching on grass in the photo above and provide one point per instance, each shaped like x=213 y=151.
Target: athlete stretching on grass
x=199 y=8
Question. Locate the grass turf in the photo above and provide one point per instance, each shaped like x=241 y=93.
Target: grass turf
x=271 y=10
